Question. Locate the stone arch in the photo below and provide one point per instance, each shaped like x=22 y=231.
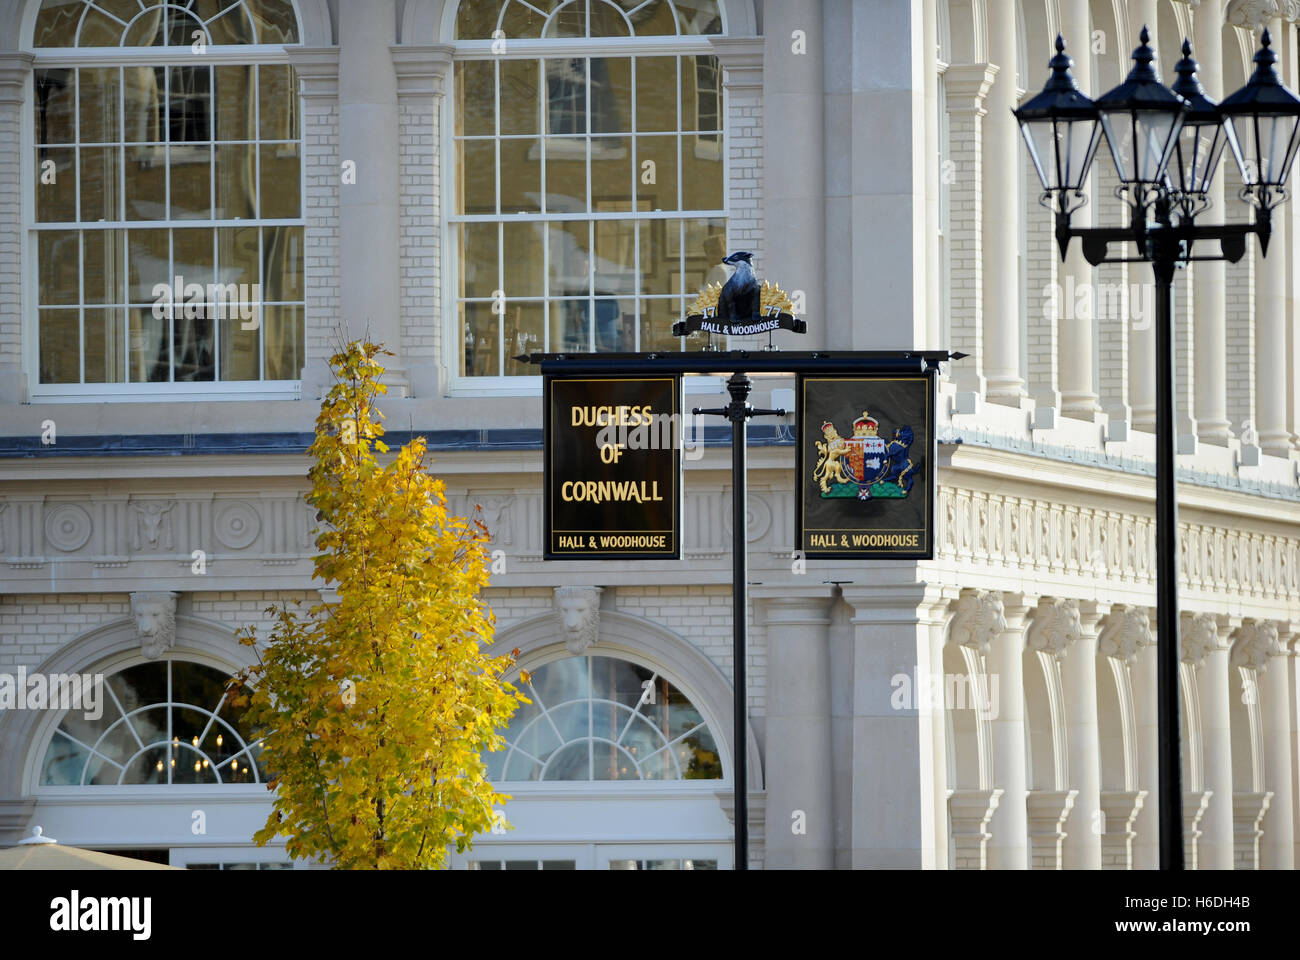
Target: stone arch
x=106 y=649
x=314 y=19
x=539 y=640
x=967 y=715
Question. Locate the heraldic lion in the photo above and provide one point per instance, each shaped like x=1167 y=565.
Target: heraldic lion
x=829 y=468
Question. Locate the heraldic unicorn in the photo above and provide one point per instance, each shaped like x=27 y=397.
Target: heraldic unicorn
x=865 y=465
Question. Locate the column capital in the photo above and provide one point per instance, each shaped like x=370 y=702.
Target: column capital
x=317 y=69
x=1055 y=625
x=965 y=86
x=1257 y=14
x=899 y=603
x=741 y=59
x=1198 y=635
x=1254 y=643
x=422 y=69
x=15 y=66
x=1124 y=631
x=788 y=604
x=1016 y=607
x=978 y=617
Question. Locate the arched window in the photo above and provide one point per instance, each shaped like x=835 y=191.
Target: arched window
x=589 y=190
x=602 y=718
x=161 y=722
x=168 y=230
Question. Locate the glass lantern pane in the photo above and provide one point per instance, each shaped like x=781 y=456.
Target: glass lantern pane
x=1153 y=132
x=1080 y=146
x=1249 y=173
x=1041 y=143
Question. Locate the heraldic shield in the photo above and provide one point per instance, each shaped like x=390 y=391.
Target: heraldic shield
x=865 y=466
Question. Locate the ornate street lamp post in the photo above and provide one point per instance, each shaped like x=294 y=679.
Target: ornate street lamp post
x=1147 y=126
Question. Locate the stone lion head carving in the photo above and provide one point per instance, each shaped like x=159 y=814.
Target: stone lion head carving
x=579 y=612
x=154 y=613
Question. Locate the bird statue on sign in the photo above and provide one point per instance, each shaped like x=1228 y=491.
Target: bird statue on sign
x=741 y=297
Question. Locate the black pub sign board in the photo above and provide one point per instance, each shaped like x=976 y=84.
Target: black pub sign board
x=613 y=467
x=865 y=466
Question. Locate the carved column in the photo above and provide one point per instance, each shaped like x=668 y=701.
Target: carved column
x=1260 y=649
x=1146 y=846
x=1008 y=850
x=798 y=726
x=1001 y=215
x=899 y=820
x=1199 y=640
x=1216 y=850
x=1078 y=396
x=1126 y=632
x=15 y=68
x=1067 y=629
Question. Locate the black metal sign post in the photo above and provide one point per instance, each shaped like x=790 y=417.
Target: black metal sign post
x=738 y=363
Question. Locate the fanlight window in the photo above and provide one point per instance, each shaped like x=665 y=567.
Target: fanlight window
x=138 y=23
x=599 y=718
x=534 y=19
x=165 y=722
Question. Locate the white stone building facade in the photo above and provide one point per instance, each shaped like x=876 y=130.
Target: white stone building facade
x=468 y=181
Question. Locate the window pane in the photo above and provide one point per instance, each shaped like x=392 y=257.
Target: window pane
x=656 y=159
x=149 y=262
x=235 y=104
x=56 y=185
x=701 y=93
x=706 y=246
x=55 y=98
x=277 y=94
x=60 y=346
x=699 y=16
x=101 y=183
x=476 y=176
x=657 y=319
x=566 y=96
x=525 y=323
x=476 y=98
x=193 y=344
x=478 y=259
x=611 y=94
x=522 y=22
x=232 y=26
x=274 y=20
x=521 y=176
x=64 y=761
x=99 y=104
x=240 y=348
x=570 y=21
x=656 y=94
x=615 y=256
x=571 y=763
x=611 y=174
x=59 y=256
x=190 y=98
x=523 y=259
x=237 y=257
x=661 y=244
x=105 y=345
x=56 y=26
x=149 y=359
x=148 y=31
x=479 y=333
x=282 y=260
x=104 y=274
x=607 y=21
x=192 y=259
x=476 y=21
x=655 y=20
x=280 y=179
x=570 y=325
x=521 y=102
x=283 y=339
x=146 y=183
x=143 y=92
x=566 y=175
x=236 y=176
x=191 y=181
x=570 y=259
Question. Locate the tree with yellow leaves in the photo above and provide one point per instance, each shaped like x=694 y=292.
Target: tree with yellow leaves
x=375 y=709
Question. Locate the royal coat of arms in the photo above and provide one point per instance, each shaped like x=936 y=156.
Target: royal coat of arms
x=865 y=465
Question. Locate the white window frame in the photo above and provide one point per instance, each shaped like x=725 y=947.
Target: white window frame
x=204 y=391
x=461 y=385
